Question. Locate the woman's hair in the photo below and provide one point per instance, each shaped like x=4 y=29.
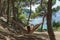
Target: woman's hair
x=28 y=29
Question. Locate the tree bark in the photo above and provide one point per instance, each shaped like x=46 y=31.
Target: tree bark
x=29 y=13
x=43 y=17
x=49 y=21
x=0 y=7
x=42 y=24
x=41 y=2
x=1 y=1
x=8 y=11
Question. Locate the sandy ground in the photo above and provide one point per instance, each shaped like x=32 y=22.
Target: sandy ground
x=45 y=35
x=57 y=35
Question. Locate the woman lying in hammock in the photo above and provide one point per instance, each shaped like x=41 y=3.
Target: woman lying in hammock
x=32 y=28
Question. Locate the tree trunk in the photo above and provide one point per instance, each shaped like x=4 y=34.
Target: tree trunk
x=0 y=7
x=29 y=13
x=8 y=11
x=41 y=2
x=1 y=1
x=49 y=21
x=42 y=24
x=15 y=10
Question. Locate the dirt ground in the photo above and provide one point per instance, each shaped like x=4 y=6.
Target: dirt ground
x=45 y=35
x=57 y=35
x=5 y=35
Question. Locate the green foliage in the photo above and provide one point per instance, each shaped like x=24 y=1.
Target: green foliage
x=56 y=25
x=53 y=2
x=22 y=17
x=21 y=14
x=59 y=0
x=39 y=9
x=56 y=9
x=24 y=0
x=44 y=6
x=58 y=29
x=34 y=14
x=45 y=1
